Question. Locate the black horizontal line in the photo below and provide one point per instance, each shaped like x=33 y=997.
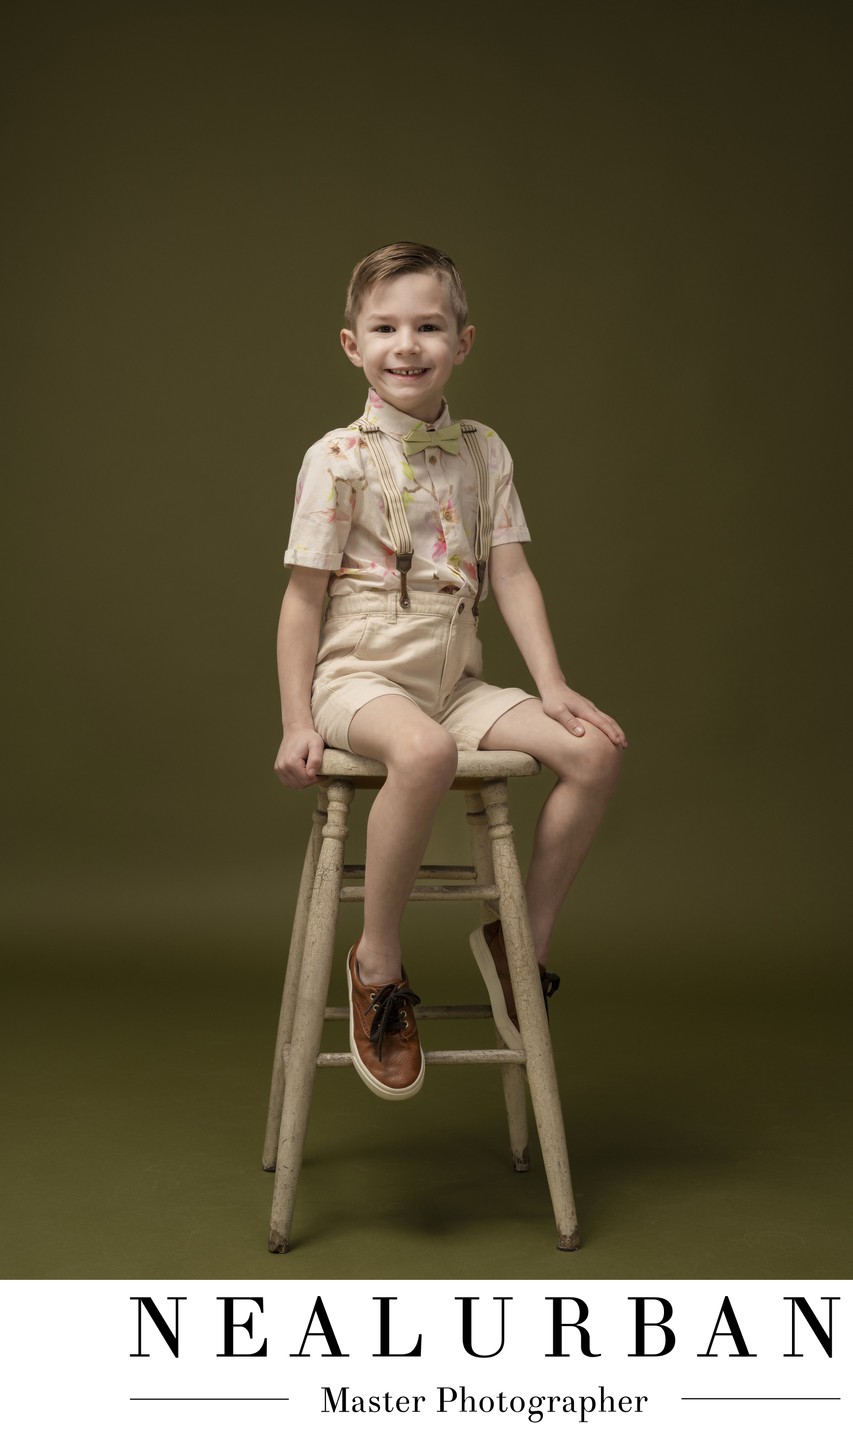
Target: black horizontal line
x=209 y=1397
x=761 y=1397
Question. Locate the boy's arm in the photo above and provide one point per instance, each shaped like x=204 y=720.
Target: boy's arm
x=301 y=752
x=522 y=606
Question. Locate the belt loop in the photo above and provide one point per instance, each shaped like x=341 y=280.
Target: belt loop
x=391 y=607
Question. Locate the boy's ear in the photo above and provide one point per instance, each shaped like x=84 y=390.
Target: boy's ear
x=466 y=339
x=350 y=348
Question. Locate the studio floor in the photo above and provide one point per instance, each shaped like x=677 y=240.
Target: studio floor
x=706 y=1126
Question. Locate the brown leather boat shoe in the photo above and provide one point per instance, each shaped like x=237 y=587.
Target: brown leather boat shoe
x=487 y=944
x=383 y=1035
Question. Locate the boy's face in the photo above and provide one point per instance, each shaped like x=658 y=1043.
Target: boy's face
x=407 y=342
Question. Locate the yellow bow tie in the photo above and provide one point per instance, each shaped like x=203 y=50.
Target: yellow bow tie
x=421 y=437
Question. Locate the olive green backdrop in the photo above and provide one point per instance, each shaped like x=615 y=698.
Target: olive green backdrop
x=650 y=207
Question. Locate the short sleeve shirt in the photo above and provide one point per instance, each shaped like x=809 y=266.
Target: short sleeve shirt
x=339 y=520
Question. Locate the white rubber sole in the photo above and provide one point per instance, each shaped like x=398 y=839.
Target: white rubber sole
x=387 y=1093
x=483 y=957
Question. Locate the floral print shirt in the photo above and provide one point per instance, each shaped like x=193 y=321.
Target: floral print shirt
x=339 y=518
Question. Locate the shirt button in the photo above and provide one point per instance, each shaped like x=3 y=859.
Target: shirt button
x=461 y=608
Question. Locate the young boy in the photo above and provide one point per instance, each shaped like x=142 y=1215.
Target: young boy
x=404 y=520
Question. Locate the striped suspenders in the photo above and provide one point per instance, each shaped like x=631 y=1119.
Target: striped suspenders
x=398 y=524
x=483 y=538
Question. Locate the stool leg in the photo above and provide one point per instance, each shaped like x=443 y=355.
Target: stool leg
x=311 y=1005
x=515 y=1101
x=481 y=847
x=532 y=1019
x=512 y=1077
x=291 y=982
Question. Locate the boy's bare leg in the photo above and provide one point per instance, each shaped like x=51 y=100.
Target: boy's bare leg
x=421 y=759
x=587 y=770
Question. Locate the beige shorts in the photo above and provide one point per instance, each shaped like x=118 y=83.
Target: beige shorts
x=370 y=648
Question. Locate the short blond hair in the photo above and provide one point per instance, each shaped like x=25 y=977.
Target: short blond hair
x=405 y=257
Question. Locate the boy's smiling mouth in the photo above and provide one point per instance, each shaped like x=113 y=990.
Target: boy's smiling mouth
x=407 y=373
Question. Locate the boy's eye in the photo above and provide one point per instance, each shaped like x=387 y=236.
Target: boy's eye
x=388 y=328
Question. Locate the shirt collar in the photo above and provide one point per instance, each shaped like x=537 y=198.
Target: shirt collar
x=393 y=421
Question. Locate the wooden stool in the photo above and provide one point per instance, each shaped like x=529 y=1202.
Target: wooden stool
x=494 y=878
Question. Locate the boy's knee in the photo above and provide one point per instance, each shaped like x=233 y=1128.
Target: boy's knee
x=425 y=753
x=604 y=762
x=592 y=760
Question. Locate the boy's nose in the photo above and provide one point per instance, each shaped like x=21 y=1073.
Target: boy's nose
x=407 y=343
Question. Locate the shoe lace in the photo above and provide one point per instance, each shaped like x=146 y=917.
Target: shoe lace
x=388 y=1007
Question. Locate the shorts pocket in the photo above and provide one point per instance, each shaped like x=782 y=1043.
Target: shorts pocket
x=474 y=660
x=382 y=641
x=340 y=637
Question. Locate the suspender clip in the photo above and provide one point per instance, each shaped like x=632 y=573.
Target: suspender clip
x=404 y=563
x=481 y=578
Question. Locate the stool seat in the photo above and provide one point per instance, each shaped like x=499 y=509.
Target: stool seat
x=493 y=879
x=471 y=768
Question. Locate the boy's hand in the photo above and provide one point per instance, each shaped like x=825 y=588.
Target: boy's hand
x=300 y=756
x=568 y=707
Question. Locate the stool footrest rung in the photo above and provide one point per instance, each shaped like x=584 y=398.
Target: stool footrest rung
x=465 y=892
x=430 y=872
x=441 y=1013
x=499 y=1056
